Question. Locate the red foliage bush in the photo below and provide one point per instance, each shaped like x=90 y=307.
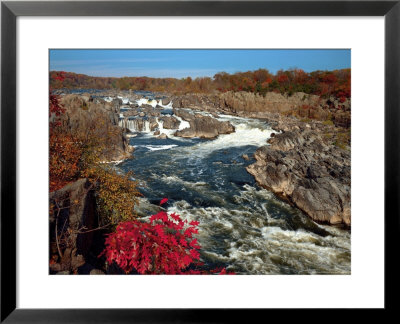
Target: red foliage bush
x=165 y=245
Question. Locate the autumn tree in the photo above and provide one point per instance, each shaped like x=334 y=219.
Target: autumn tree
x=323 y=83
x=78 y=150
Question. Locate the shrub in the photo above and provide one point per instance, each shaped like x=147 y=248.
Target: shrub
x=116 y=194
x=164 y=245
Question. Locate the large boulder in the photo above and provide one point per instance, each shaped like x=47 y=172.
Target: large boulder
x=165 y=101
x=162 y=136
x=315 y=177
x=205 y=127
x=170 y=122
x=153 y=124
x=185 y=114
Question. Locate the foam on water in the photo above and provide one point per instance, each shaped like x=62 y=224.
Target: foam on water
x=157 y=147
x=244 y=135
x=184 y=124
x=153 y=103
x=125 y=101
x=173 y=179
x=251 y=247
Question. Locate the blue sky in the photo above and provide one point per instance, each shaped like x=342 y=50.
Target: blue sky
x=193 y=63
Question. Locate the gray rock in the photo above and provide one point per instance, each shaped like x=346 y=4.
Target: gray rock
x=76 y=212
x=170 y=122
x=204 y=126
x=101 y=118
x=184 y=114
x=165 y=101
x=296 y=167
x=146 y=106
x=153 y=124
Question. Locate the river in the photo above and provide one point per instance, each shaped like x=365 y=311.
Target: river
x=243 y=227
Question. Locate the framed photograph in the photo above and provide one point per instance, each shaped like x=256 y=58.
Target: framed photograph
x=149 y=147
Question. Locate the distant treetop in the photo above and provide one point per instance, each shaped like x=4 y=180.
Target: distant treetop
x=323 y=83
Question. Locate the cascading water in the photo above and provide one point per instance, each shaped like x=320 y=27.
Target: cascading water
x=143 y=126
x=183 y=123
x=135 y=125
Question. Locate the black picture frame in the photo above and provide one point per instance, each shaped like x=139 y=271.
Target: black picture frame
x=10 y=10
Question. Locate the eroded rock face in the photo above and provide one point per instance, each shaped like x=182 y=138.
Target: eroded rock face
x=74 y=210
x=170 y=122
x=298 y=165
x=184 y=114
x=103 y=119
x=201 y=101
x=247 y=104
x=202 y=126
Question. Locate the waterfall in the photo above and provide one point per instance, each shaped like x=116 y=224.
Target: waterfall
x=135 y=125
x=160 y=125
x=146 y=127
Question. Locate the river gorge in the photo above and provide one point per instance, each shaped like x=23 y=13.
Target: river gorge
x=243 y=226
x=271 y=192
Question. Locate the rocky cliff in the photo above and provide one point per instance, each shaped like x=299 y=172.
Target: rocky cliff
x=73 y=217
x=101 y=119
x=254 y=105
x=303 y=165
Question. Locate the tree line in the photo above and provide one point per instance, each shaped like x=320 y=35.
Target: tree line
x=322 y=83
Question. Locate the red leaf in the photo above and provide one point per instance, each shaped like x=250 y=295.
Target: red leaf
x=163 y=201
